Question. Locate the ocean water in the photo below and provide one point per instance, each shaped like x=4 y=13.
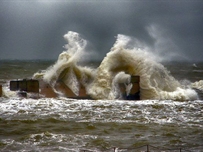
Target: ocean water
x=169 y=116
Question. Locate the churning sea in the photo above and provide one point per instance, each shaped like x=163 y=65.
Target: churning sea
x=63 y=124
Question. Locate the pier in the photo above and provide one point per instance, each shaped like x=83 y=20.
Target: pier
x=44 y=89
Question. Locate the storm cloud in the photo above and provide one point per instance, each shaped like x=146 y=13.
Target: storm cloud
x=35 y=29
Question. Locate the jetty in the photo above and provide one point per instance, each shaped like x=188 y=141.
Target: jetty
x=42 y=89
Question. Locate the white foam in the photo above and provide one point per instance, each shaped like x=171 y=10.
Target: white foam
x=198 y=85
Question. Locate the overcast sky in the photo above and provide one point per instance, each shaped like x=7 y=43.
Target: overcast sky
x=34 y=29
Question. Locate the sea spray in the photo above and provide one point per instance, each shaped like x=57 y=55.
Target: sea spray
x=126 y=58
x=66 y=69
x=123 y=78
x=7 y=93
x=198 y=85
x=155 y=81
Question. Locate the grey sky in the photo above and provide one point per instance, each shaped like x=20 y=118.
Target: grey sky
x=35 y=29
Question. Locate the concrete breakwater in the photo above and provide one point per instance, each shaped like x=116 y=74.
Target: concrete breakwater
x=44 y=89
